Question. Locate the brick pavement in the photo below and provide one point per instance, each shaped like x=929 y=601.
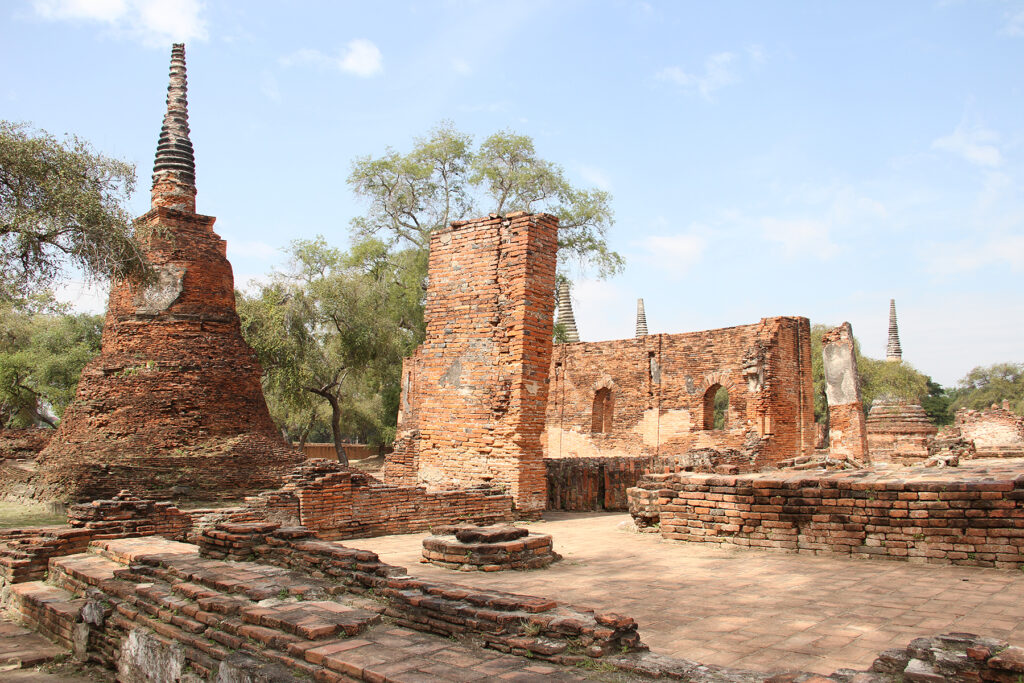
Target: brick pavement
x=745 y=608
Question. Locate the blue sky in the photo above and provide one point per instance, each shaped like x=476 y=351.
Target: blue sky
x=784 y=158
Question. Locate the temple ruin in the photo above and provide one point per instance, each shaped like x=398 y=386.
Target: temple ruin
x=173 y=405
x=847 y=430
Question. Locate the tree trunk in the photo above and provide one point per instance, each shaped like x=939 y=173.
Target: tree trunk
x=307 y=430
x=339 y=450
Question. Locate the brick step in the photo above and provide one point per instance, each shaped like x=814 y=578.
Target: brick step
x=213 y=606
x=50 y=610
x=21 y=648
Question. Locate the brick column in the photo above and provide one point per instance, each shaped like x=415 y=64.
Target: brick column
x=847 y=428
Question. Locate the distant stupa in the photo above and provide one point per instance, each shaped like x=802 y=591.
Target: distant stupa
x=173 y=406
x=565 y=317
x=893 y=351
x=641 y=319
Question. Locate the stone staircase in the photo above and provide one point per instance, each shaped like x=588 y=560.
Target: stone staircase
x=130 y=594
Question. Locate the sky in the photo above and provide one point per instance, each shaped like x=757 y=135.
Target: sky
x=783 y=158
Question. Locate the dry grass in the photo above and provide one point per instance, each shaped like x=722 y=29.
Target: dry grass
x=27 y=514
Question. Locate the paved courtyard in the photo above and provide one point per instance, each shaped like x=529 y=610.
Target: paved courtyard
x=753 y=609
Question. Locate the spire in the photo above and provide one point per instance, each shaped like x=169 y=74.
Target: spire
x=641 y=319
x=565 y=317
x=174 y=171
x=893 y=350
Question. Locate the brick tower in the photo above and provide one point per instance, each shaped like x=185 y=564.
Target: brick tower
x=173 y=406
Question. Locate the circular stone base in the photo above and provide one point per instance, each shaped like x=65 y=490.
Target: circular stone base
x=488 y=549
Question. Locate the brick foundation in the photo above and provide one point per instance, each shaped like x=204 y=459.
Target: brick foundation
x=972 y=515
x=996 y=432
x=338 y=502
x=475 y=391
x=898 y=431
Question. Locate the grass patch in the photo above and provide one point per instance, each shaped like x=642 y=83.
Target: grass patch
x=28 y=514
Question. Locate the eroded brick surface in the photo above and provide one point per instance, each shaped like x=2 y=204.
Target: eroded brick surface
x=846 y=423
x=475 y=392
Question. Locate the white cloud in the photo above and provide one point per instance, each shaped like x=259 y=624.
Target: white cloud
x=1014 y=24
x=251 y=249
x=596 y=176
x=677 y=252
x=462 y=67
x=152 y=22
x=84 y=296
x=719 y=71
x=974 y=144
x=269 y=87
x=602 y=310
x=800 y=235
x=951 y=257
x=360 y=57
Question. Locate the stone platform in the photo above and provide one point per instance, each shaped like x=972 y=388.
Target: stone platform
x=488 y=549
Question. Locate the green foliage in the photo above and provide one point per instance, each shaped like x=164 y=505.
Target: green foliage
x=330 y=334
x=443 y=179
x=983 y=386
x=879 y=379
x=60 y=203
x=721 y=407
x=43 y=353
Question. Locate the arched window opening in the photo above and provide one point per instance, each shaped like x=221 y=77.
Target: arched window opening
x=604 y=409
x=716 y=407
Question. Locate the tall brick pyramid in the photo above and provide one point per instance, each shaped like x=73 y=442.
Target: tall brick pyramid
x=173 y=406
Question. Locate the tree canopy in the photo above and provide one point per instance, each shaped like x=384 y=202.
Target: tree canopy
x=879 y=379
x=43 y=353
x=444 y=179
x=983 y=386
x=330 y=334
x=60 y=204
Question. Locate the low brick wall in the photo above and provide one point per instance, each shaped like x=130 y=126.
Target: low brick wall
x=338 y=502
x=600 y=483
x=974 y=517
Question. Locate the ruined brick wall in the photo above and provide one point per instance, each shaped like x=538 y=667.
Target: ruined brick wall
x=898 y=431
x=660 y=387
x=23 y=444
x=173 y=406
x=997 y=431
x=338 y=502
x=474 y=393
x=960 y=516
x=847 y=431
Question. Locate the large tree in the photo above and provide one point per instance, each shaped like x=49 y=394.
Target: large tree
x=983 y=386
x=61 y=204
x=443 y=179
x=330 y=333
x=43 y=352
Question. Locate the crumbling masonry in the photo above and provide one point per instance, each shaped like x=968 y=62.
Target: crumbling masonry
x=475 y=392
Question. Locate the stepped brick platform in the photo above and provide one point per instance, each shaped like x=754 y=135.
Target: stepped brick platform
x=972 y=515
x=140 y=603
x=488 y=549
x=898 y=431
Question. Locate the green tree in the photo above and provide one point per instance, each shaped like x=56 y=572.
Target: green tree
x=444 y=179
x=983 y=386
x=330 y=333
x=43 y=353
x=878 y=379
x=60 y=204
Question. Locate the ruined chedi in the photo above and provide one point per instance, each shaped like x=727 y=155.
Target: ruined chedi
x=641 y=319
x=899 y=430
x=566 y=319
x=172 y=406
x=893 y=351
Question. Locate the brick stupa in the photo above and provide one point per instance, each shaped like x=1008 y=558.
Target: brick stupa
x=173 y=406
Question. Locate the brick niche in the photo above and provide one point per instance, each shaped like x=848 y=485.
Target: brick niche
x=474 y=394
